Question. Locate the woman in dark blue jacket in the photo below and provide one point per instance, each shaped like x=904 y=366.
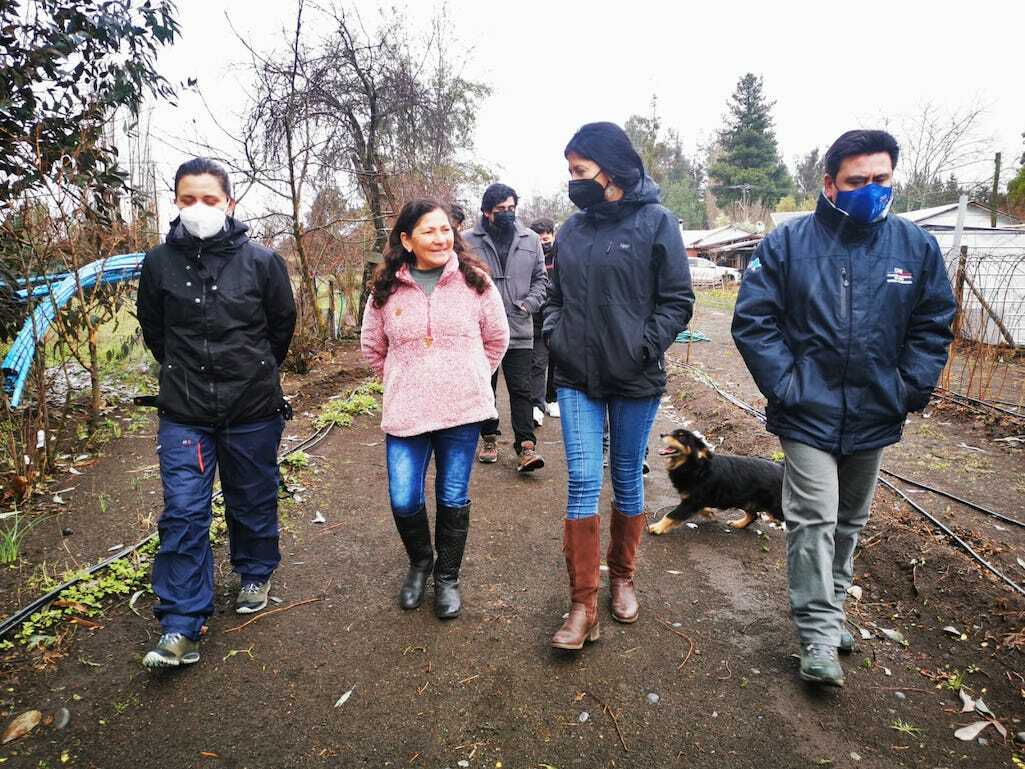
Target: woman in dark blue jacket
x=216 y=310
x=620 y=293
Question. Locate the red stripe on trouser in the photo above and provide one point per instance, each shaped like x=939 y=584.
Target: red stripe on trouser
x=199 y=453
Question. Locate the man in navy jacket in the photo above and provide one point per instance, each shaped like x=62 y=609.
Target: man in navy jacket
x=844 y=321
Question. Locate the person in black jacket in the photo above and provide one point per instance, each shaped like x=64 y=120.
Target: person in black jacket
x=843 y=319
x=620 y=294
x=542 y=377
x=216 y=310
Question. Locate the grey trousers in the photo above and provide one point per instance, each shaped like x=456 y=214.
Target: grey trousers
x=826 y=502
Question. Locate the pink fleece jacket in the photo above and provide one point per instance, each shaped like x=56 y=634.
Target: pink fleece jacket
x=435 y=354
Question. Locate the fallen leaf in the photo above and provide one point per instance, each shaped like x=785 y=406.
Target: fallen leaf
x=673 y=571
x=319 y=518
x=208 y=754
x=855 y=592
x=135 y=597
x=345 y=697
x=952 y=631
x=21 y=726
x=73 y=471
x=1020 y=562
x=894 y=635
x=865 y=634
x=969 y=733
x=982 y=709
x=967 y=703
x=113 y=548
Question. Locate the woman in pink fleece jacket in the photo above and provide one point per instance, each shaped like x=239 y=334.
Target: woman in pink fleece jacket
x=434 y=331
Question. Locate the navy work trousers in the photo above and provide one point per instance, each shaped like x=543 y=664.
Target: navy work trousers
x=183 y=570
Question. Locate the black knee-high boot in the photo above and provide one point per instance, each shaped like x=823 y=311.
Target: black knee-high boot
x=451 y=529
x=415 y=531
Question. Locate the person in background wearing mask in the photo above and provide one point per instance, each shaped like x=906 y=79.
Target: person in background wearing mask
x=620 y=295
x=843 y=319
x=542 y=379
x=515 y=258
x=216 y=311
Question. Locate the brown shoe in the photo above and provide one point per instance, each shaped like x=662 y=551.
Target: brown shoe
x=622 y=561
x=582 y=545
x=488 y=449
x=530 y=460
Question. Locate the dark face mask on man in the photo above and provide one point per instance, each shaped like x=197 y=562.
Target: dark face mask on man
x=585 y=193
x=504 y=219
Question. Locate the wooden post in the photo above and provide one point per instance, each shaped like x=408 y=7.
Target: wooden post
x=959 y=291
x=990 y=311
x=331 y=329
x=993 y=193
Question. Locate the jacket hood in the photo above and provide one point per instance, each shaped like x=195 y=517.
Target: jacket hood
x=642 y=193
x=233 y=236
x=842 y=226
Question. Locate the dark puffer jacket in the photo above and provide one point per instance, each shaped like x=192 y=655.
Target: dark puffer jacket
x=844 y=327
x=620 y=293
x=218 y=316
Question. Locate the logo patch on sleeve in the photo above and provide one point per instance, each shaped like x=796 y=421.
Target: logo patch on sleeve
x=755 y=265
x=899 y=275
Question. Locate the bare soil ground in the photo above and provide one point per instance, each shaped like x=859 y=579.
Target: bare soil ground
x=714 y=642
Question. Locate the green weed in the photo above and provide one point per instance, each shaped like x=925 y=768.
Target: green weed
x=297 y=460
x=903 y=727
x=778 y=456
x=12 y=535
x=360 y=402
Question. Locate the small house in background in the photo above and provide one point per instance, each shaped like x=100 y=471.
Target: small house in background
x=729 y=246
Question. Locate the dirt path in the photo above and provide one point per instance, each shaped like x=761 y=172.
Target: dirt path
x=487 y=690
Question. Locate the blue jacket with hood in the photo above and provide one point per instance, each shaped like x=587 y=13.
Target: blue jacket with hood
x=844 y=327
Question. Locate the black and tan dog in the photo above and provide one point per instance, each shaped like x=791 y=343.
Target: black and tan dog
x=708 y=480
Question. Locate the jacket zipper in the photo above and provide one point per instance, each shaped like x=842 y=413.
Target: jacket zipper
x=844 y=315
x=206 y=338
x=844 y=283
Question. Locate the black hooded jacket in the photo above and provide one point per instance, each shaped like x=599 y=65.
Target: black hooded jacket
x=218 y=316
x=620 y=293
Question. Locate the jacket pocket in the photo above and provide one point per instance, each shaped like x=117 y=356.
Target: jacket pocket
x=621 y=343
x=569 y=364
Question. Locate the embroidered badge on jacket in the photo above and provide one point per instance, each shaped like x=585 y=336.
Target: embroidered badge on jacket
x=899 y=275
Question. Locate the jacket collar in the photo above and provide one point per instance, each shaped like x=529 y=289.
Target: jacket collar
x=451 y=266
x=227 y=241
x=838 y=224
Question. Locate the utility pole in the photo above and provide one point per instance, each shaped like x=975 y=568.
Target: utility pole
x=993 y=194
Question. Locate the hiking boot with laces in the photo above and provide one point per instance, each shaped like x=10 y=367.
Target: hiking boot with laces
x=252 y=597
x=488 y=449
x=530 y=460
x=172 y=650
x=819 y=665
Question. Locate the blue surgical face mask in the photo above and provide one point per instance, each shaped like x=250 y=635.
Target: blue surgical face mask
x=867 y=204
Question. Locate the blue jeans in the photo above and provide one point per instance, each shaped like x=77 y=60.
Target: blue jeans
x=183 y=568
x=583 y=423
x=455 y=450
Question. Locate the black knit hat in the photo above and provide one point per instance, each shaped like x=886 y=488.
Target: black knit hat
x=608 y=145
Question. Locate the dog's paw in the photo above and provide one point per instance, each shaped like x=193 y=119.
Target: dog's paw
x=743 y=523
x=662 y=525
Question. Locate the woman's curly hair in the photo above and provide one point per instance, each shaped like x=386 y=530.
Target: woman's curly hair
x=474 y=271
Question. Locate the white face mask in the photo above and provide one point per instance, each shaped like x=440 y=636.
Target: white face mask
x=203 y=221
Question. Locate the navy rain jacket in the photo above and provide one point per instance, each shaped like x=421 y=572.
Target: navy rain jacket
x=844 y=327
x=619 y=294
x=218 y=315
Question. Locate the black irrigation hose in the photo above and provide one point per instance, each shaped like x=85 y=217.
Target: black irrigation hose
x=24 y=613
x=921 y=510
x=949 y=532
x=976 y=404
x=959 y=500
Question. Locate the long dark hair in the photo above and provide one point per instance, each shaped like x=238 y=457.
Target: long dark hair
x=609 y=146
x=474 y=271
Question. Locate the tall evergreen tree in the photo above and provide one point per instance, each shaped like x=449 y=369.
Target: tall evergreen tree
x=808 y=172
x=749 y=167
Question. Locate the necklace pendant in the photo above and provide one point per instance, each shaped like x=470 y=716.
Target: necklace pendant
x=428 y=341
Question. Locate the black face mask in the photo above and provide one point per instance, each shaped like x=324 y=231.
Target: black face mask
x=586 y=192
x=504 y=219
x=547 y=248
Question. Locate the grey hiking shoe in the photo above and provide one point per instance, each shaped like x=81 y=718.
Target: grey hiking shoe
x=252 y=597
x=846 y=642
x=172 y=650
x=819 y=665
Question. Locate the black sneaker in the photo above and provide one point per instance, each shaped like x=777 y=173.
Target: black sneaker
x=172 y=650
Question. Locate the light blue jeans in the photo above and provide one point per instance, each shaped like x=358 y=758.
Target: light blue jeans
x=583 y=422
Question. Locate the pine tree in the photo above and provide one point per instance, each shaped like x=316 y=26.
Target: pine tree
x=749 y=166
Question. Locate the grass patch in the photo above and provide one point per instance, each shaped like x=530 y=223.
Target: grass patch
x=718 y=298
x=12 y=535
x=360 y=402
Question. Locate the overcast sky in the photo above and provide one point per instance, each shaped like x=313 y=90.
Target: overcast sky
x=554 y=65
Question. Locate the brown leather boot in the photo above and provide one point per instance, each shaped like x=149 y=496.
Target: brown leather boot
x=622 y=561
x=581 y=542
